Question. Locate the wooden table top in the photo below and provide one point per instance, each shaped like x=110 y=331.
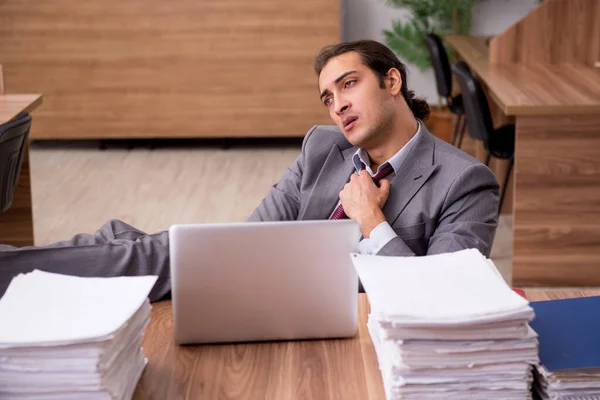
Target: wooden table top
x=13 y=104
x=532 y=90
x=313 y=369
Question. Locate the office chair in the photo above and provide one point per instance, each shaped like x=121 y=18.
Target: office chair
x=443 y=79
x=499 y=142
x=13 y=142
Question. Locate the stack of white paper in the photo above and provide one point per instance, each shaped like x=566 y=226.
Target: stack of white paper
x=448 y=327
x=65 y=337
x=581 y=384
x=569 y=366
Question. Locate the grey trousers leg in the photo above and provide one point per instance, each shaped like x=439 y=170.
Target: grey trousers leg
x=116 y=249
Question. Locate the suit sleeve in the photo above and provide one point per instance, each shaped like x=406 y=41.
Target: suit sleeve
x=282 y=203
x=468 y=218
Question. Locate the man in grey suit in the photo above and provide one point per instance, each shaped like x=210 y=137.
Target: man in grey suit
x=411 y=193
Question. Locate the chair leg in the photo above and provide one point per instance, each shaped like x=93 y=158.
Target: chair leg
x=505 y=184
x=459 y=119
x=462 y=131
x=487 y=160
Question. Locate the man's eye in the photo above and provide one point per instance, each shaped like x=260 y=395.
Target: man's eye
x=327 y=101
x=350 y=83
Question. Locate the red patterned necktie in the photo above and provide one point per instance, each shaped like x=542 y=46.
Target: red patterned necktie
x=384 y=171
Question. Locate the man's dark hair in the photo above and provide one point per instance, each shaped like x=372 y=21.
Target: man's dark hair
x=380 y=60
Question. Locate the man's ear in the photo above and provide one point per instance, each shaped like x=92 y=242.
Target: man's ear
x=394 y=81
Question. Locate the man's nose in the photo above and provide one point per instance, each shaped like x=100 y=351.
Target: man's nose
x=342 y=106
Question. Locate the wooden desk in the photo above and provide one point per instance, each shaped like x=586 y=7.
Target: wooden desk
x=523 y=90
x=16 y=224
x=316 y=369
x=13 y=104
x=556 y=197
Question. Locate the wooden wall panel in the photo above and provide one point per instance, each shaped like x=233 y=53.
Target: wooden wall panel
x=558 y=31
x=557 y=209
x=186 y=68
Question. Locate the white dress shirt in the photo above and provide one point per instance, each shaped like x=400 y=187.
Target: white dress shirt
x=383 y=232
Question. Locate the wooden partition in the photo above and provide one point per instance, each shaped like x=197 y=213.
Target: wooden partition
x=542 y=71
x=557 y=180
x=557 y=207
x=181 y=68
x=556 y=32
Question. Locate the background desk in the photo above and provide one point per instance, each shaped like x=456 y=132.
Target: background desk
x=556 y=197
x=16 y=224
x=13 y=104
x=532 y=90
x=316 y=369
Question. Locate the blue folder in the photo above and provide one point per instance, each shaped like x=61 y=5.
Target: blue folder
x=569 y=332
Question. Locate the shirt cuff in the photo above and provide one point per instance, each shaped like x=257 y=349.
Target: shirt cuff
x=380 y=236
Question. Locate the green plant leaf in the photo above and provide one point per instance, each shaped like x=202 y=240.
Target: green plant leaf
x=410 y=4
x=441 y=17
x=407 y=42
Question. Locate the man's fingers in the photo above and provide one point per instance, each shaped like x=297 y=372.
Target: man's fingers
x=384 y=187
x=364 y=174
x=343 y=190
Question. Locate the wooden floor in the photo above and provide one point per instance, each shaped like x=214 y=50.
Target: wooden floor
x=76 y=187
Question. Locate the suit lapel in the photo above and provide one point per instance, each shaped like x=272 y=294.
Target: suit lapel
x=331 y=180
x=416 y=169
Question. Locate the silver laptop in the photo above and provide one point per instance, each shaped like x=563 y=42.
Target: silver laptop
x=255 y=281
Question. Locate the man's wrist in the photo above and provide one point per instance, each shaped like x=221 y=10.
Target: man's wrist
x=370 y=220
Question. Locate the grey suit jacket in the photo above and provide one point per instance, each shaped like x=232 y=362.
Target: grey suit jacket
x=442 y=200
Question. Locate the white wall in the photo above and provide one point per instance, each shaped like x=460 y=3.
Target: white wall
x=491 y=17
x=366 y=19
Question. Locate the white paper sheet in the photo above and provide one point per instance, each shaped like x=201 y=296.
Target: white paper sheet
x=448 y=288
x=42 y=308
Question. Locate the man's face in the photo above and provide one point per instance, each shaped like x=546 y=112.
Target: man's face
x=356 y=102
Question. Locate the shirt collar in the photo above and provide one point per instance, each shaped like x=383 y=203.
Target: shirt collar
x=361 y=156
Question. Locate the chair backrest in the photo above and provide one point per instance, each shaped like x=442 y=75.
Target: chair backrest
x=13 y=142
x=477 y=109
x=440 y=63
